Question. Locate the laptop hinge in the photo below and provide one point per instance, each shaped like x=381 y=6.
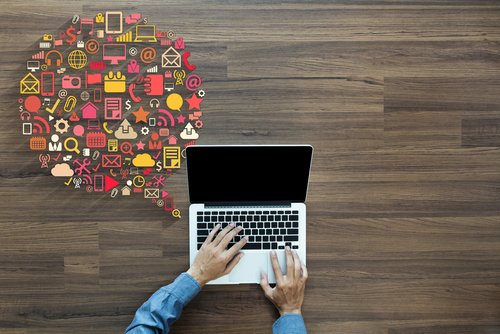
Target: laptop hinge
x=248 y=205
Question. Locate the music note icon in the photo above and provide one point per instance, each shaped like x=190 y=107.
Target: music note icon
x=83 y=22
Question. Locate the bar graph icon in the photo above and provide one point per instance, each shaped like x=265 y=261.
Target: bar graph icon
x=126 y=37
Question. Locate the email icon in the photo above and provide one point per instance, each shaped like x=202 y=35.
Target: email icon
x=171 y=58
x=29 y=85
x=151 y=193
x=112 y=160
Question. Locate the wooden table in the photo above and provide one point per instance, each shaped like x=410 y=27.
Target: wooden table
x=401 y=100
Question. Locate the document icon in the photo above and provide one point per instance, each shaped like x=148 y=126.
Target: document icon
x=171 y=157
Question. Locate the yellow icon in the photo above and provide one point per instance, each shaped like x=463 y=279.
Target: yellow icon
x=75 y=145
x=174 y=101
x=126 y=37
x=70 y=103
x=115 y=83
x=54 y=107
x=143 y=160
x=171 y=157
x=139 y=181
x=29 y=85
x=47 y=37
x=105 y=128
x=179 y=75
x=77 y=59
x=112 y=145
x=176 y=213
x=171 y=58
x=99 y=18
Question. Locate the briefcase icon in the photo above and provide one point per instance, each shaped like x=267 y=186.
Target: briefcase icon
x=111 y=160
x=29 y=85
x=115 y=83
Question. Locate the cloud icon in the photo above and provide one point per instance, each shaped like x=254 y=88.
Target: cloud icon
x=62 y=169
x=143 y=160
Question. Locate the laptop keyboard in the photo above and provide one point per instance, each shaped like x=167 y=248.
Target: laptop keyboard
x=268 y=229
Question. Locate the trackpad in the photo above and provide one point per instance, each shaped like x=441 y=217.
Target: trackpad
x=282 y=261
x=249 y=268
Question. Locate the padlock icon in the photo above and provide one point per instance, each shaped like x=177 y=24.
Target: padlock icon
x=99 y=18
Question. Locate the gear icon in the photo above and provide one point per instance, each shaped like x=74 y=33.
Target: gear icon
x=201 y=93
x=198 y=124
x=61 y=129
x=145 y=130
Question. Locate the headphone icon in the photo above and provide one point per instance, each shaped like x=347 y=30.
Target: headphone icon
x=154 y=103
x=59 y=60
x=25 y=116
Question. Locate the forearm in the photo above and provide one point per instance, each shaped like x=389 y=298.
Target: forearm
x=290 y=324
x=164 y=307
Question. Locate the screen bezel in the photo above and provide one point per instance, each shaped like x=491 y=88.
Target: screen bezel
x=255 y=146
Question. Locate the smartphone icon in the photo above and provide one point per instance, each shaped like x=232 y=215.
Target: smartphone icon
x=98 y=183
x=97 y=95
x=47 y=84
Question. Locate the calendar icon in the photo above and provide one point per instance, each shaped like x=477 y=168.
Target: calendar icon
x=95 y=140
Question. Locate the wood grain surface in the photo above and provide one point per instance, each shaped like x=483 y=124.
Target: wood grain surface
x=401 y=100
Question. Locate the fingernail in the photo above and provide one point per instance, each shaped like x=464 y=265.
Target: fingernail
x=232 y=224
x=287 y=248
x=273 y=253
x=217 y=226
x=246 y=237
x=240 y=227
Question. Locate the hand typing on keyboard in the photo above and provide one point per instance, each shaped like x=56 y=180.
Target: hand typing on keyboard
x=214 y=259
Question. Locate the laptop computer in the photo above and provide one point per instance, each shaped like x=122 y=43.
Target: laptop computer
x=263 y=188
x=145 y=33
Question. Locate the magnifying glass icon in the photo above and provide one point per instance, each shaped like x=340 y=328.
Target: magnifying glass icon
x=75 y=145
x=126 y=148
x=176 y=213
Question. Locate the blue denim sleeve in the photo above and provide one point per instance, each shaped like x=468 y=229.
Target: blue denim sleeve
x=290 y=324
x=164 y=307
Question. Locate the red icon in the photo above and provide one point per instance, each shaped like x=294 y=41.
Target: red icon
x=95 y=139
x=153 y=85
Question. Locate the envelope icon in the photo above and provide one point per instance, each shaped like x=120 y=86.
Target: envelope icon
x=151 y=193
x=171 y=58
x=29 y=85
x=111 y=160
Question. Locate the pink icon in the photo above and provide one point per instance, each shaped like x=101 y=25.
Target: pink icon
x=179 y=43
x=89 y=110
x=133 y=67
x=113 y=108
x=133 y=18
x=69 y=82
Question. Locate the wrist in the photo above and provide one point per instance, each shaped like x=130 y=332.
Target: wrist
x=290 y=311
x=197 y=276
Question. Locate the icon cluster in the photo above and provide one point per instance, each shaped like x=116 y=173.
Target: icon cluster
x=110 y=103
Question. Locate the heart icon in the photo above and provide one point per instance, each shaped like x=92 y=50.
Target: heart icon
x=110 y=106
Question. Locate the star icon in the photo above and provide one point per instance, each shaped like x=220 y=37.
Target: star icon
x=181 y=119
x=141 y=115
x=110 y=38
x=140 y=145
x=194 y=102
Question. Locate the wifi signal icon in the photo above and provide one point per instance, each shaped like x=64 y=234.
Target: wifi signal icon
x=86 y=179
x=163 y=121
x=38 y=128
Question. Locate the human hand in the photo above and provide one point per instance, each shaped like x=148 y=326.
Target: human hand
x=288 y=294
x=213 y=259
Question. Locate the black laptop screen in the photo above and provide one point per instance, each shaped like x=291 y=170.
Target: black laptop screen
x=248 y=173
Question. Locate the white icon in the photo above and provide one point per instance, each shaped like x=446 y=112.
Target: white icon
x=189 y=132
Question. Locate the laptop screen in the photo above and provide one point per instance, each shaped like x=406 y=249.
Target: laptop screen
x=250 y=174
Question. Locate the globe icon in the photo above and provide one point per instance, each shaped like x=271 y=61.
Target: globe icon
x=77 y=59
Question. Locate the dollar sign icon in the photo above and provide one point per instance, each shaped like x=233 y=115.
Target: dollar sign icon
x=71 y=37
x=145 y=20
x=158 y=166
x=127 y=104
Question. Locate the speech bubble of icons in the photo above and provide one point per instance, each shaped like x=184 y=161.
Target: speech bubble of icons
x=174 y=102
x=104 y=133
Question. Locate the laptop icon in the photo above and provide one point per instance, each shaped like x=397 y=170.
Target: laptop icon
x=145 y=33
x=262 y=188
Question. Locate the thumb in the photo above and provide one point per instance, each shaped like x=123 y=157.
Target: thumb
x=264 y=284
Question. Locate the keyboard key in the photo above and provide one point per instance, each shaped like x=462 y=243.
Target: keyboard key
x=270 y=218
x=201 y=239
x=276 y=231
x=252 y=245
x=229 y=218
x=294 y=217
x=273 y=212
x=258 y=238
x=246 y=225
x=274 y=245
x=236 y=213
x=295 y=247
x=283 y=231
x=256 y=218
x=269 y=231
x=265 y=212
x=243 y=212
x=277 y=218
x=266 y=246
x=206 y=219
x=265 y=238
x=267 y=225
x=272 y=238
x=255 y=231
x=213 y=218
x=202 y=233
x=199 y=246
x=291 y=238
x=251 y=212
x=229 y=213
x=281 y=247
x=249 y=218
x=293 y=231
x=258 y=212
x=214 y=213
x=220 y=218
x=260 y=225
x=274 y=224
x=199 y=213
x=199 y=219
x=289 y=244
x=279 y=238
x=295 y=224
x=288 y=224
x=210 y=226
x=280 y=212
x=222 y=212
x=242 y=218
x=288 y=212
x=281 y=225
x=295 y=212
x=253 y=225
x=262 y=231
x=284 y=218
x=251 y=238
x=202 y=225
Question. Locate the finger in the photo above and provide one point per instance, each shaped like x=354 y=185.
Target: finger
x=304 y=271
x=211 y=235
x=233 y=263
x=289 y=263
x=297 y=264
x=264 y=284
x=229 y=236
x=223 y=233
x=237 y=247
x=276 y=268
